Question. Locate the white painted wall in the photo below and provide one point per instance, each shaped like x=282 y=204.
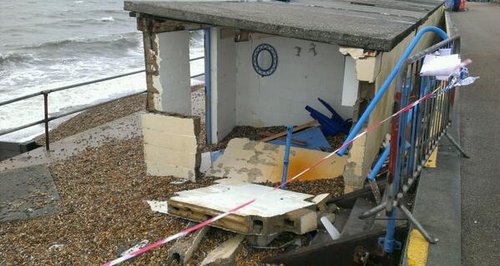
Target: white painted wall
x=173 y=83
x=242 y=97
x=351 y=83
x=299 y=80
x=223 y=76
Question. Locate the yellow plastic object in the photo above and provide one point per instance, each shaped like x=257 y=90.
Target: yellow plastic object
x=418 y=249
x=432 y=161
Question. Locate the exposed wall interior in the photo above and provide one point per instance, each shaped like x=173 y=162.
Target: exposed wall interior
x=172 y=83
x=306 y=70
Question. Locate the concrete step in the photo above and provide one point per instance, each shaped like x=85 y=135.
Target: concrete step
x=124 y=128
x=354 y=225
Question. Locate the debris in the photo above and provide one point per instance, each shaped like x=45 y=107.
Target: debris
x=330 y=126
x=330 y=228
x=311 y=138
x=184 y=248
x=442 y=66
x=258 y=162
x=158 y=206
x=320 y=201
x=170 y=145
x=224 y=254
x=207 y=159
x=141 y=244
x=179 y=182
x=56 y=247
x=206 y=162
x=302 y=221
x=295 y=129
x=267 y=216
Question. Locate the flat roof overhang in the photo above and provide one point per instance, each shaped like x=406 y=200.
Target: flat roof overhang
x=369 y=24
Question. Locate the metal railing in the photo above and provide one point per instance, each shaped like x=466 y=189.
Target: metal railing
x=45 y=93
x=414 y=136
x=385 y=86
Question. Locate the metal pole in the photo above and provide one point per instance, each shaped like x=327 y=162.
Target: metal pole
x=46 y=119
x=455 y=143
x=373 y=173
x=208 y=85
x=288 y=144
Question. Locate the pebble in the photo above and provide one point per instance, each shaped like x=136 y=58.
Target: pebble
x=103 y=193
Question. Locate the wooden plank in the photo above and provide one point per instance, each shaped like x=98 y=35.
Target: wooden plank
x=295 y=129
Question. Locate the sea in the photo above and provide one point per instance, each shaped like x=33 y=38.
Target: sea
x=52 y=43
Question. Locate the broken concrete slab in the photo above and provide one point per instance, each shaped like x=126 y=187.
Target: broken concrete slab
x=224 y=254
x=184 y=248
x=170 y=145
x=259 y=162
x=27 y=193
x=280 y=210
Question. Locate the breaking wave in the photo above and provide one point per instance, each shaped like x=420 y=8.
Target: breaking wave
x=122 y=41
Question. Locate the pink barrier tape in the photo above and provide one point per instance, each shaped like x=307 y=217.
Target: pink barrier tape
x=316 y=164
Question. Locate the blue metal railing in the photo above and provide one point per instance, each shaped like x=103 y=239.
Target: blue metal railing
x=414 y=135
x=380 y=92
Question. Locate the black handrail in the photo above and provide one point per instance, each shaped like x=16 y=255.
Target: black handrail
x=46 y=93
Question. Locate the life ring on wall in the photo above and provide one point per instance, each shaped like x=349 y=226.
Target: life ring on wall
x=264 y=59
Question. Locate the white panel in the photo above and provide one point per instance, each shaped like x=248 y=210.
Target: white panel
x=351 y=83
x=174 y=81
x=223 y=56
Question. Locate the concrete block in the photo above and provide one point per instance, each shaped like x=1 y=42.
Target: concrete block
x=169 y=156
x=224 y=254
x=163 y=169
x=170 y=145
x=172 y=125
x=302 y=221
x=170 y=141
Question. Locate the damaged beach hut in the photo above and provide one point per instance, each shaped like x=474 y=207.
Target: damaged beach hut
x=314 y=64
x=264 y=63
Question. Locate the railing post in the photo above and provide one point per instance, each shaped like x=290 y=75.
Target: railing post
x=46 y=119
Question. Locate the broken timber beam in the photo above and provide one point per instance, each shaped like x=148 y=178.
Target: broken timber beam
x=184 y=247
x=295 y=129
x=225 y=254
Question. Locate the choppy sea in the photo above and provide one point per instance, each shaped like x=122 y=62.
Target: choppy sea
x=51 y=43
